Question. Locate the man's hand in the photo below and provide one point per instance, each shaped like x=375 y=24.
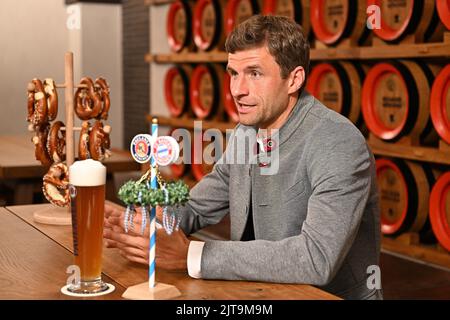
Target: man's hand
x=171 y=251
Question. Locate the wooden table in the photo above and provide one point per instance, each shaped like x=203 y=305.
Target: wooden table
x=34 y=257
x=32 y=266
x=18 y=164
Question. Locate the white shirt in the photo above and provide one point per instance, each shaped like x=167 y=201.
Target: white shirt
x=194 y=259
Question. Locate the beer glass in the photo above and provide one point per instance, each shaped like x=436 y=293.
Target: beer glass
x=87 y=190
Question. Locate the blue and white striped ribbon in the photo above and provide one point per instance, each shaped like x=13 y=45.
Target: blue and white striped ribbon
x=153 y=185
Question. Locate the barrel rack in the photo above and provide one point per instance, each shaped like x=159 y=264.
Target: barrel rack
x=407 y=244
x=151 y=2
x=378 y=51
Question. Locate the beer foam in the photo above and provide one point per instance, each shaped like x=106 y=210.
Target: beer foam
x=87 y=173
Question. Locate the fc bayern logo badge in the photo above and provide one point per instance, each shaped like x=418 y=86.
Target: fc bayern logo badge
x=140 y=148
x=165 y=150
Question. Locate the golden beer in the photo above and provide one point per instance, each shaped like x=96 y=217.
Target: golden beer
x=90 y=204
x=87 y=184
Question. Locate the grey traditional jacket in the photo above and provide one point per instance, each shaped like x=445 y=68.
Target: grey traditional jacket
x=316 y=221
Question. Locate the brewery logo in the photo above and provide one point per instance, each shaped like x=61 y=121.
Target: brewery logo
x=72 y=191
x=141 y=148
x=165 y=150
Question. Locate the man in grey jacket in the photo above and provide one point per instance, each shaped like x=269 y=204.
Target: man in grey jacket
x=314 y=218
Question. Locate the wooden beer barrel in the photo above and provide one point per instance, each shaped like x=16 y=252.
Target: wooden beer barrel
x=297 y=10
x=333 y=21
x=400 y=18
x=179 y=25
x=208 y=26
x=338 y=86
x=176 y=89
x=201 y=166
x=443 y=9
x=440 y=104
x=404 y=189
x=238 y=11
x=395 y=97
x=228 y=101
x=206 y=90
x=440 y=210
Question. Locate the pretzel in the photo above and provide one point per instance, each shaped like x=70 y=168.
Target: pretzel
x=103 y=91
x=88 y=103
x=52 y=98
x=56 y=185
x=56 y=142
x=37 y=104
x=30 y=104
x=40 y=141
x=83 y=144
x=99 y=142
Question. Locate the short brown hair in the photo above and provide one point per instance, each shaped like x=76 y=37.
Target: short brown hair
x=284 y=39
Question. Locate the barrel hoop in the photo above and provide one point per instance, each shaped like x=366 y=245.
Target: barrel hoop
x=388 y=34
x=351 y=19
x=197 y=26
x=433 y=24
x=413 y=196
x=443 y=9
x=176 y=46
x=361 y=74
x=315 y=76
x=368 y=107
x=320 y=29
x=430 y=78
x=197 y=107
x=418 y=7
x=438 y=218
x=366 y=32
x=346 y=89
x=171 y=73
x=438 y=113
x=299 y=11
x=413 y=93
x=409 y=213
x=431 y=180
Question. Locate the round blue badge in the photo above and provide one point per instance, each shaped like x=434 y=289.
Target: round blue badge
x=165 y=150
x=141 y=148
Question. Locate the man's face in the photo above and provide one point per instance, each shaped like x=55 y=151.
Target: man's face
x=260 y=94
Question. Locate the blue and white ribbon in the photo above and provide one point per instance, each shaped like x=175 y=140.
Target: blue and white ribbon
x=153 y=185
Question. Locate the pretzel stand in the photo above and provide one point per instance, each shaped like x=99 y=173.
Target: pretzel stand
x=51 y=153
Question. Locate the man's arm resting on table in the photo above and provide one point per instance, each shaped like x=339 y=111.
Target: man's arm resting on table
x=341 y=174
